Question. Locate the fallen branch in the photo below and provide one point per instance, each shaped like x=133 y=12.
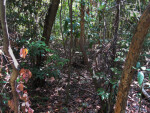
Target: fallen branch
x=145 y=92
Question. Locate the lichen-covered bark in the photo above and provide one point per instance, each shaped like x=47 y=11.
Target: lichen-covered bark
x=131 y=60
x=9 y=53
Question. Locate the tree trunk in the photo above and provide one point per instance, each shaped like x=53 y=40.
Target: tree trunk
x=9 y=53
x=61 y=28
x=81 y=43
x=71 y=35
x=131 y=60
x=48 y=24
x=70 y=2
x=116 y=26
x=113 y=56
x=50 y=19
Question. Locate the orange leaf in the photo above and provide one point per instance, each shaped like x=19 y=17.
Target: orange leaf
x=26 y=74
x=23 y=52
x=20 y=87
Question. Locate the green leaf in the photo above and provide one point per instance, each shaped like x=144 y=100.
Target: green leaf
x=101 y=7
x=101 y=91
x=18 y=80
x=3 y=82
x=116 y=59
x=147 y=69
x=113 y=81
x=140 y=77
x=138 y=65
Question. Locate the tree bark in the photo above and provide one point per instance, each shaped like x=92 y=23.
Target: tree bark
x=131 y=60
x=9 y=53
x=50 y=19
x=71 y=32
x=116 y=26
x=48 y=24
x=61 y=28
x=70 y=2
x=81 y=42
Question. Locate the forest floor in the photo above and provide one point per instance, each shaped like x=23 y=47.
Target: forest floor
x=82 y=97
x=79 y=96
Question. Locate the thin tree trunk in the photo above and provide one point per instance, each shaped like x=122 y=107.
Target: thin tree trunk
x=81 y=42
x=71 y=38
x=9 y=53
x=61 y=30
x=131 y=60
x=113 y=56
x=115 y=34
x=70 y=49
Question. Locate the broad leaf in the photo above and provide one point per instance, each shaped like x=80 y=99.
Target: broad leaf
x=140 y=77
